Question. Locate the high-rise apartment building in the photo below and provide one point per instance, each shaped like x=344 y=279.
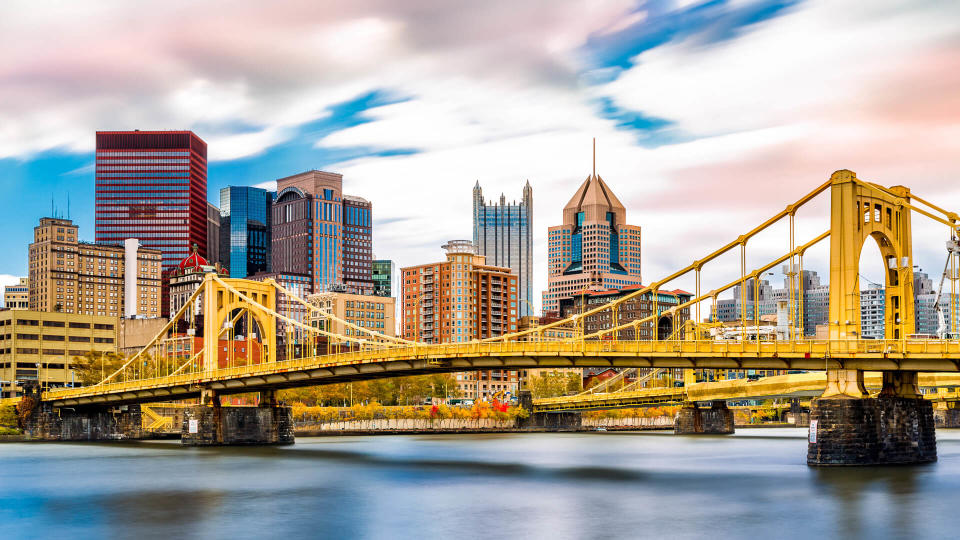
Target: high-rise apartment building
x=502 y=234
x=17 y=296
x=594 y=249
x=213 y=233
x=385 y=277
x=40 y=346
x=319 y=232
x=152 y=186
x=70 y=276
x=459 y=300
x=357 y=244
x=245 y=230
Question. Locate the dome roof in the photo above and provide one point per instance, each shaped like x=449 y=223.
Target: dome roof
x=193 y=262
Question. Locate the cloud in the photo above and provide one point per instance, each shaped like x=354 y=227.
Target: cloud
x=751 y=112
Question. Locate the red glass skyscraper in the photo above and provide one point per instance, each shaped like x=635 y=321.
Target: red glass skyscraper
x=152 y=185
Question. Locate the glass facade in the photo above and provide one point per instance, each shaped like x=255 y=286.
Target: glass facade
x=152 y=186
x=502 y=234
x=384 y=273
x=245 y=230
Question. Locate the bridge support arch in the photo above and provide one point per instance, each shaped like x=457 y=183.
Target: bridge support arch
x=847 y=425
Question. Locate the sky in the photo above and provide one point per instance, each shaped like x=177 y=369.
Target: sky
x=709 y=116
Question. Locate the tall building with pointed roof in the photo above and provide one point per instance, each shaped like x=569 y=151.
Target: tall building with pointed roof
x=594 y=249
x=502 y=234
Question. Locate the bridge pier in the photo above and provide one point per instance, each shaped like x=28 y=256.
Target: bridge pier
x=209 y=424
x=847 y=427
x=692 y=420
x=44 y=422
x=561 y=421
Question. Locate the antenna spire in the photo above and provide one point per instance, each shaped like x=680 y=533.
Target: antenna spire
x=594 y=157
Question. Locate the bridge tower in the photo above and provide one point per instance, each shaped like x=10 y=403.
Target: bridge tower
x=222 y=310
x=858 y=212
x=847 y=426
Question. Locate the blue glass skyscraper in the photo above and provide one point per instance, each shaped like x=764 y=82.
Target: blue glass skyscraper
x=245 y=230
x=502 y=234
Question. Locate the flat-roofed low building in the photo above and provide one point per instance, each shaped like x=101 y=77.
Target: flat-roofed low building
x=375 y=313
x=17 y=296
x=40 y=346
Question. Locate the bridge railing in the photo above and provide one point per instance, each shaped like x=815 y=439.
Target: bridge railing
x=838 y=349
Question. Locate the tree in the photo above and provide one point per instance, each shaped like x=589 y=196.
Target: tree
x=550 y=385
x=93 y=367
x=8 y=417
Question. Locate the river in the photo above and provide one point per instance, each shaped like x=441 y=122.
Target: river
x=755 y=484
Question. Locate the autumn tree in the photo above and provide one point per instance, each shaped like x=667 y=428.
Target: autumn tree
x=93 y=367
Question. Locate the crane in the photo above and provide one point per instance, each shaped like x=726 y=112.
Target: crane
x=953 y=249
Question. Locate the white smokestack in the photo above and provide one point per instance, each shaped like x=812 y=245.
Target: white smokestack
x=130 y=272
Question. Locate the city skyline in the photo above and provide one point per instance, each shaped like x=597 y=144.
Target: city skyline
x=623 y=73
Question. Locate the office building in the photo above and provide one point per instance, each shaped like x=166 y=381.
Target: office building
x=17 y=296
x=245 y=230
x=320 y=232
x=815 y=308
x=872 y=315
x=40 y=346
x=639 y=307
x=594 y=248
x=291 y=338
x=385 y=277
x=459 y=300
x=152 y=186
x=213 y=233
x=502 y=233
x=375 y=313
x=357 y=244
x=70 y=276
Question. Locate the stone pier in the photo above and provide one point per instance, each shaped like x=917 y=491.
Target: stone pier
x=847 y=427
x=947 y=418
x=209 y=424
x=692 y=420
x=547 y=421
x=42 y=421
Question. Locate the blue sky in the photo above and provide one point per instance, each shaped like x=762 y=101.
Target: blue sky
x=708 y=115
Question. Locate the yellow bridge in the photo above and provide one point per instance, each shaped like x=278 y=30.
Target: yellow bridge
x=797 y=385
x=186 y=358
x=196 y=353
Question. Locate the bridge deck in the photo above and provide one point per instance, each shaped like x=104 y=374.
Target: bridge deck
x=873 y=355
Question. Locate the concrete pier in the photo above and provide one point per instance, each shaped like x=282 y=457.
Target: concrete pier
x=692 y=420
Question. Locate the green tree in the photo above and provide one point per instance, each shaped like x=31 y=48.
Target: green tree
x=93 y=367
x=8 y=417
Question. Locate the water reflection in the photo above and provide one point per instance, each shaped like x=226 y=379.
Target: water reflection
x=556 y=486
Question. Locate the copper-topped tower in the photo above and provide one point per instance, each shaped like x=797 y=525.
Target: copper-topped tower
x=594 y=249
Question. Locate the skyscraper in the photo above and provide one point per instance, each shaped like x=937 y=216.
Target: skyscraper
x=502 y=234
x=322 y=233
x=357 y=244
x=245 y=230
x=594 y=248
x=152 y=186
x=213 y=233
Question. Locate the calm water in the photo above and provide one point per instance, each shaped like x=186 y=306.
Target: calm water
x=755 y=484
